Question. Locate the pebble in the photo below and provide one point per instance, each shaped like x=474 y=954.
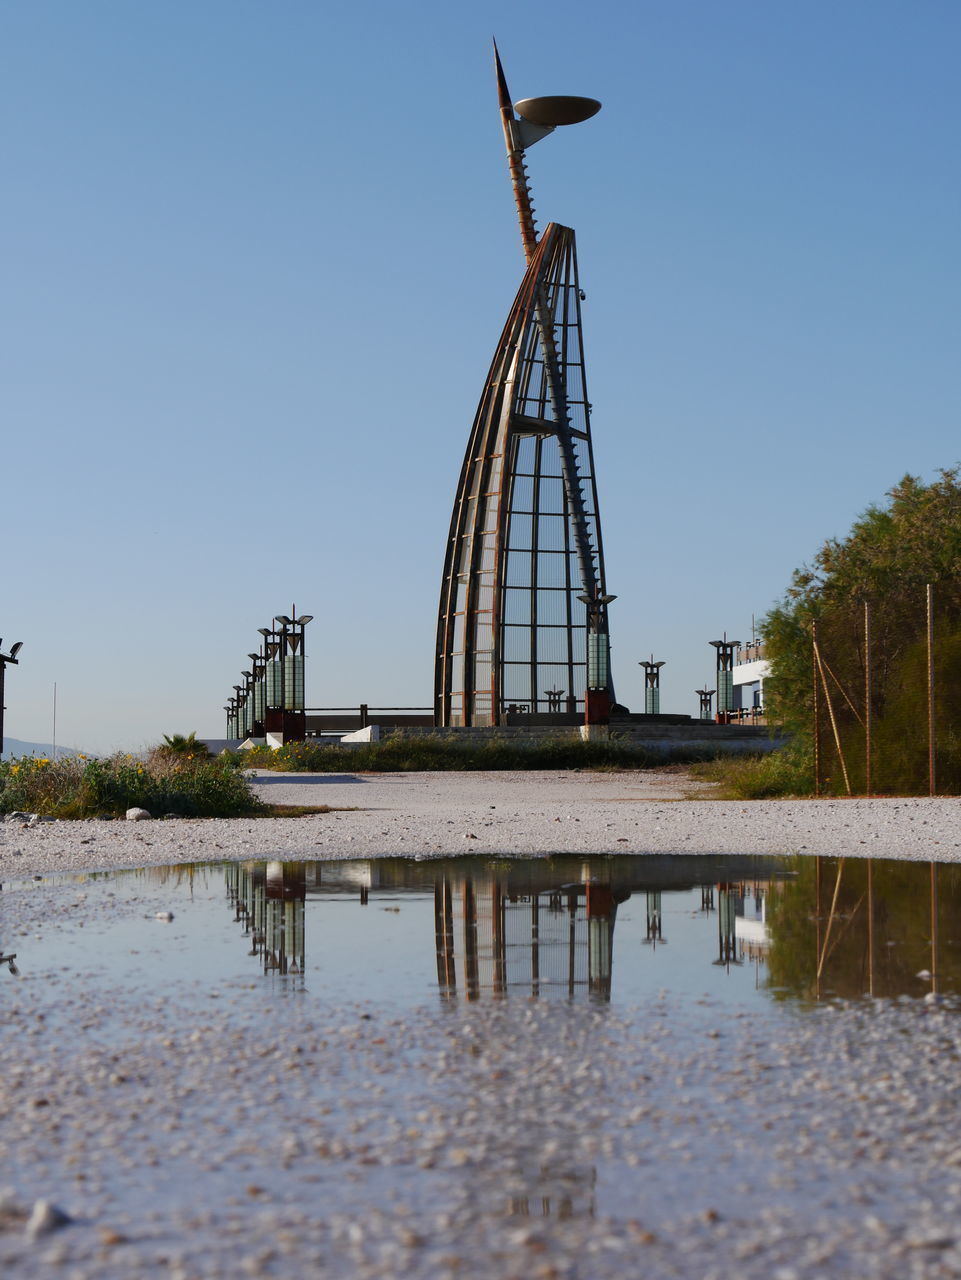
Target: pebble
x=46 y=1217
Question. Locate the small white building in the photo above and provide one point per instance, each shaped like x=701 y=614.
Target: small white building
x=750 y=671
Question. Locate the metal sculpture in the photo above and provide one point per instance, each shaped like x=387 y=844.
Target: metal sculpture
x=523 y=606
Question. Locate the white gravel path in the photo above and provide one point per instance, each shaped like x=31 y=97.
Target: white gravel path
x=504 y=814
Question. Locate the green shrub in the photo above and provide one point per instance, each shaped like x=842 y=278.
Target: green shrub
x=78 y=787
x=786 y=772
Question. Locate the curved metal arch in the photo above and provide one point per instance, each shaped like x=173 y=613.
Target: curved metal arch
x=525 y=544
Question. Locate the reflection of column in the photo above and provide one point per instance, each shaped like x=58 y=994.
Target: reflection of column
x=726 y=918
x=600 y=938
x=470 y=941
x=498 y=956
x=444 y=933
x=285 y=891
x=535 y=944
x=269 y=901
x=654 y=928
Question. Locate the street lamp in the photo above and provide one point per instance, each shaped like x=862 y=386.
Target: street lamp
x=725 y=677
x=292 y=671
x=652 y=686
x=241 y=712
x=705 y=696
x=10 y=657
x=258 y=663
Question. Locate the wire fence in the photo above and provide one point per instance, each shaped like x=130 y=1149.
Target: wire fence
x=886 y=696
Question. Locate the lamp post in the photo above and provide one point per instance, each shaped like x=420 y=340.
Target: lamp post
x=12 y=658
x=292 y=685
x=725 y=677
x=258 y=665
x=652 y=686
x=553 y=696
x=241 y=711
x=273 y=681
x=705 y=696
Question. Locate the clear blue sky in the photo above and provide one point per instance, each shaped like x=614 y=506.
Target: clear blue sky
x=258 y=255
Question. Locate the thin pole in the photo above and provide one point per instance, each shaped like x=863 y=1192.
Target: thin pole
x=817 y=709
x=934 y=927
x=55 y=722
x=867 y=698
x=930 y=604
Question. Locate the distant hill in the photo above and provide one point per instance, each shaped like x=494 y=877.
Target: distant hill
x=14 y=747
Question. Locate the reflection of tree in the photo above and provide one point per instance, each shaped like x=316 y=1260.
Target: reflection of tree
x=866 y=925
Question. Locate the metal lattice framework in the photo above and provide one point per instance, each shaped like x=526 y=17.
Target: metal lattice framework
x=523 y=611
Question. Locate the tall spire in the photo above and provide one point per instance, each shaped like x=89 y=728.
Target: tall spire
x=515 y=162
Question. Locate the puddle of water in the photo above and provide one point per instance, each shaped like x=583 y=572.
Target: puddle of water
x=716 y=931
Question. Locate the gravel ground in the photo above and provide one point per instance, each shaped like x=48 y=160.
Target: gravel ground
x=194 y=1133
x=445 y=814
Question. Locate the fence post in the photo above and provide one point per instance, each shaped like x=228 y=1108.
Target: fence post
x=867 y=698
x=930 y=604
x=817 y=708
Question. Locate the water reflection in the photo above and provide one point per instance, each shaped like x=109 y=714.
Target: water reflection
x=543 y=930
x=808 y=928
x=559 y=929
x=268 y=900
x=850 y=927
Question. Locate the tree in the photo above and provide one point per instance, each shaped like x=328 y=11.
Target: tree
x=891 y=554
x=188 y=745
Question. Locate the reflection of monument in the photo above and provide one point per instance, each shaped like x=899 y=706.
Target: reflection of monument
x=541 y=929
x=523 y=609
x=554 y=942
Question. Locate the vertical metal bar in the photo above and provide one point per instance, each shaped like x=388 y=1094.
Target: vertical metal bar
x=931 y=762
x=867 y=698
x=536 y=468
